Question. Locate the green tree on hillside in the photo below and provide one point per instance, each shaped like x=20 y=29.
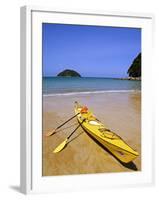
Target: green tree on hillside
x=135 y=68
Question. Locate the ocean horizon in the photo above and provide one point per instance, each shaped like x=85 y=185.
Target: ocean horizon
x=53 y=86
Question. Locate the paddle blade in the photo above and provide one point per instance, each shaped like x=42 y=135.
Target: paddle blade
x=60 y=146
x=50 y=133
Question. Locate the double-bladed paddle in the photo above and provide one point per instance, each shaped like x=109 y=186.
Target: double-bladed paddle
x=64 y=143
x=54 y=131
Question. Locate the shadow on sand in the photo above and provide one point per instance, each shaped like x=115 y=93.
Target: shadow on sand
x=129 y=165
x=71 y=140
x=67 y=127
x=75 y=137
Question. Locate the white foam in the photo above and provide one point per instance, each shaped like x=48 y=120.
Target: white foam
x=90 y=92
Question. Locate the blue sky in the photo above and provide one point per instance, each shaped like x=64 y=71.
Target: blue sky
x=93 y=51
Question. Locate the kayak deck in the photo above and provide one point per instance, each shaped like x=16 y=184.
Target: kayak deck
x=114 y=143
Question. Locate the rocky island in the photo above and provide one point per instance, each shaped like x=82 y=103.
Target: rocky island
x=134 y=70
x=69 y=73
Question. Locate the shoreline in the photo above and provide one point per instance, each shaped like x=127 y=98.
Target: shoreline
x=91 y=92
x=121 y=112
x=131 y=78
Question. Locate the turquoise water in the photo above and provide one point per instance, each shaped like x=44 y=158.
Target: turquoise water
x=71 y=85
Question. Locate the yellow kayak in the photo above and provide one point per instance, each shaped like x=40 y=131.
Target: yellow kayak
x=104 y=136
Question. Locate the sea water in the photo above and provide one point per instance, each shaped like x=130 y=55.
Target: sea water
x=78 y=85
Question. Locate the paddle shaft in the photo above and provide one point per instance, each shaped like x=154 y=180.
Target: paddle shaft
x=64 y=143
x=75 y=129
x=66 y=121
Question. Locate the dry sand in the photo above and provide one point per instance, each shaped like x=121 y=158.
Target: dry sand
x=121 y=112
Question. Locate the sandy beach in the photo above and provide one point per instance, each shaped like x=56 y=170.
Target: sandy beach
x=120 y=111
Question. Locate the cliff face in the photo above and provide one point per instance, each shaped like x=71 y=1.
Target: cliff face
x=69 y=73
x=135 y=68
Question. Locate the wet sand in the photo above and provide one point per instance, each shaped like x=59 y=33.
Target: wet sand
x=121 y=112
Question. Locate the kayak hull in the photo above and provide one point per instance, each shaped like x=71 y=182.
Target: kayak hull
x=108 y=139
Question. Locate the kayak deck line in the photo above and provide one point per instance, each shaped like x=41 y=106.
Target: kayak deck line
x=119 y=147
x=114 y=143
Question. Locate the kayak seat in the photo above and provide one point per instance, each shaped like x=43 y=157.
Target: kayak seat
x=93 y=122
x=108 y=133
